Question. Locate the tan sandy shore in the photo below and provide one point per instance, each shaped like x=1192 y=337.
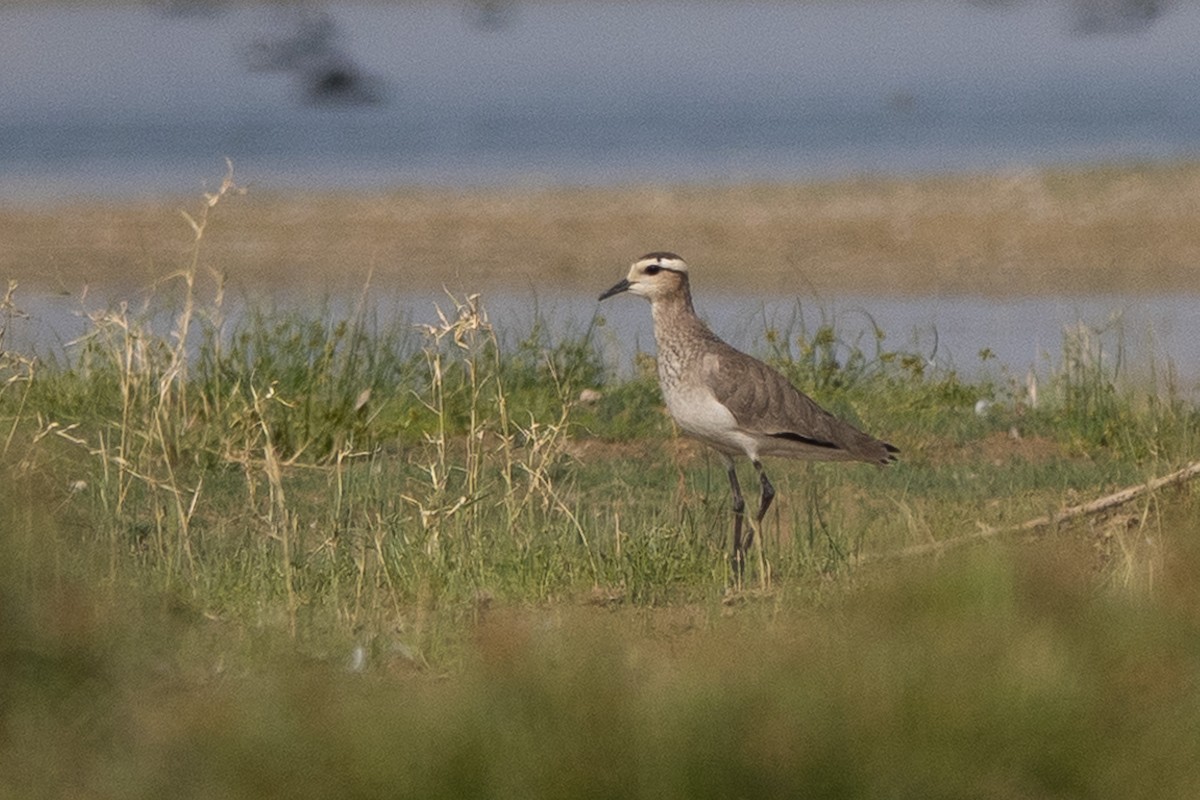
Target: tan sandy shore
x=1124 y=230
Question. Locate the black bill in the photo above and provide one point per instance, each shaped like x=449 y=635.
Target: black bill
x=620 y=287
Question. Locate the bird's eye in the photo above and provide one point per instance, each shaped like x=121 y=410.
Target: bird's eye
x=653 y=269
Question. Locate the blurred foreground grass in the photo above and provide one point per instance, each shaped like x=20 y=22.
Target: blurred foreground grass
x=1001 y=674
x=301 y=556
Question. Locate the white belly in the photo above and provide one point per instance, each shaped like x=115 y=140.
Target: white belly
x=699 y=414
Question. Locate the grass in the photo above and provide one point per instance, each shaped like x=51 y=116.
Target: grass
x=288 y=554
x=990 y=676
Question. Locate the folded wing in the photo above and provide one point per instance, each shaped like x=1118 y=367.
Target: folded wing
x=785 y=420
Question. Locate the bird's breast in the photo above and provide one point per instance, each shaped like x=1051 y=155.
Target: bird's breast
x=700 y=414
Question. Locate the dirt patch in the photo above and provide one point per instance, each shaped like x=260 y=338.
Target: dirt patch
x=1001 y=448
x=676 y=449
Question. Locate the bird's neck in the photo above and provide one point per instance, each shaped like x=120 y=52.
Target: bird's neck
x=675 y=321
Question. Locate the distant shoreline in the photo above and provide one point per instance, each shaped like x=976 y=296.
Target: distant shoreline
x=1131 y=230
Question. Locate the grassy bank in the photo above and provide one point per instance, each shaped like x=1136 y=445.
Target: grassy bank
x=291 y=554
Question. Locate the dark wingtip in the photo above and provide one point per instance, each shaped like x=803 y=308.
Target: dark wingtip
x=802 y=439
x=892 y=450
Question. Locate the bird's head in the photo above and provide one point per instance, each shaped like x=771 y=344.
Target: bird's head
x=652 y=276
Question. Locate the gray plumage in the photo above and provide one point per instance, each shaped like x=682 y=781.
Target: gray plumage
x=730 y=400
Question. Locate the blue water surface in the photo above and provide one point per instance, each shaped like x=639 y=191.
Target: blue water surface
x=129 y=100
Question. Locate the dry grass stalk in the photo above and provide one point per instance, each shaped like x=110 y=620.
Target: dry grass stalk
x=16 y=370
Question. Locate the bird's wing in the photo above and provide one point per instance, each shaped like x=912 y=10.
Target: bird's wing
x=765 y=403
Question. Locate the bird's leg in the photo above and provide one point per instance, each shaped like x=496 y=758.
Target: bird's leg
x=739 y=513
x=768 y=494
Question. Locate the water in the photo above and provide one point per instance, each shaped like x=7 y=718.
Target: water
x=1141 y=337
x=128 y=100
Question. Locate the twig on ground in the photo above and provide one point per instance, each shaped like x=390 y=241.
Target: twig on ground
x=1046 y=521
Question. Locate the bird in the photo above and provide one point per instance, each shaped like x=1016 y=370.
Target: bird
x=731 y=401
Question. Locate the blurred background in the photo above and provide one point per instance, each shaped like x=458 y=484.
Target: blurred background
x=144 y=102
x=143 y=98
